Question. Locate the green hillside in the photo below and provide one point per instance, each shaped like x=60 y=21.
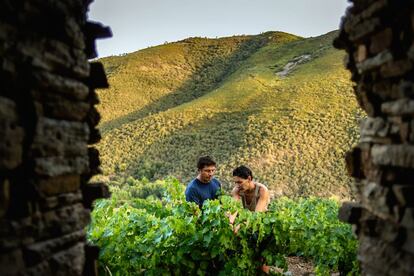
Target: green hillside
x=227 y=98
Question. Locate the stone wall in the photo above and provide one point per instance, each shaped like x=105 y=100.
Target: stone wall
x=379 y=38
x=47 y=126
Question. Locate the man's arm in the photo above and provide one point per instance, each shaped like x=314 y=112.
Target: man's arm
x=261 y=205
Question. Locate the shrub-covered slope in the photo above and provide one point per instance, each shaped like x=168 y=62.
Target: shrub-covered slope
x=281 y=104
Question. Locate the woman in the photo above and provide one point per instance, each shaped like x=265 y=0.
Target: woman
x=254 y=196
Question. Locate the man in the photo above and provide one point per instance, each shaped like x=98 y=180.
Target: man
x=254 y=196
x=204 y=186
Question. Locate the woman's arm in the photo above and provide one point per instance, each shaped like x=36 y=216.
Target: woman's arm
x=235 y=193
x=232 y=217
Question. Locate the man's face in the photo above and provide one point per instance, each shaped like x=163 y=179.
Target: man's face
x=207 y=173
x=241 y=183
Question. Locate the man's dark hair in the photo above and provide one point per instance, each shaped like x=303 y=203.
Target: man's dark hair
x=205 y=161
x=243 y=172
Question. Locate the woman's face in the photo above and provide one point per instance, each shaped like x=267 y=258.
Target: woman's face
x=241 y=183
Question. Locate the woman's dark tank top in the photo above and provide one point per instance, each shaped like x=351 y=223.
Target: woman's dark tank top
x=255 y=199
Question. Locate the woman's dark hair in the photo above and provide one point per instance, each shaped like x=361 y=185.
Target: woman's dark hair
x=205 y=161
x=243 y=172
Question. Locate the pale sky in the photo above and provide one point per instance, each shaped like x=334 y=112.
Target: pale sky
x=137 y=24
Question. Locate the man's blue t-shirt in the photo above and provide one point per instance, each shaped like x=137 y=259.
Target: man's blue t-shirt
x=198 y=191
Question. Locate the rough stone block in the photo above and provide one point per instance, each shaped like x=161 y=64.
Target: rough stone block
x=359 y=7
x=408 y=219
x=408 y=245
x=374 y=8
x=12 y=135
x=95 y=136
x=40 y=269
x=404 y=194
x=65 y=131
x=396 y=68
x=367 y=100
x=37 y=252
x=93 y=97
x=74 y=33
x=91 y=260
x=374 y=253
x=58 y=165
x=8 y=109
x=401 y=107
x=93 y=117
x=353 y=163
x=402 y=176
x=389 y=232
x=48 y=203
x=361 y=54
x=350 y=212
x=14 y=233
x=55 y=185
x=66 y=109
x=4 y=196
x=393 y=155
x=92 y=191
x=52 y=83
x=65 y=220
x=380 y=201
x=81 y=65
x=381 y=41
x=69 y=262
x=370 y=171
x=94 y=30
x=11 y=263
x=7 y=32
x=374 y=127
x=404 y=131
x=374 y=62
x=97 y=77
x=55 y=56
x=364 y=29
x=368 y=227
x=60 y=200
x=385 y=90
x=410 y=53
x=94 y=161
x=405 y=89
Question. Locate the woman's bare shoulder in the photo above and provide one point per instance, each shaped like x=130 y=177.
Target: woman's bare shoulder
x=263 y=189
x=262 y=185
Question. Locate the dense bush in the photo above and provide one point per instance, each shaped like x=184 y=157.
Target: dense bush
x=164 y=236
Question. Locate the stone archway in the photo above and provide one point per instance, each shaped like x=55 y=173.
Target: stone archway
x=48 y=119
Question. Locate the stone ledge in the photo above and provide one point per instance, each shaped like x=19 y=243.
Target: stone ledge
x=36 y=253
x=401 y=107
x=393 y=155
